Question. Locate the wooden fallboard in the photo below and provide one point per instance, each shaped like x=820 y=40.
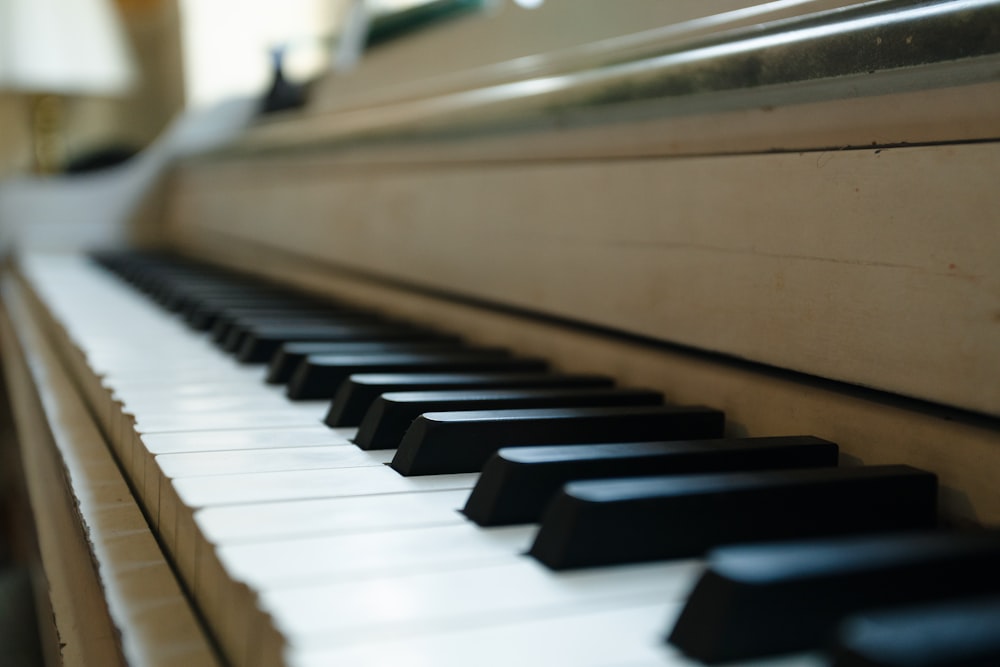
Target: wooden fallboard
x=876 y=267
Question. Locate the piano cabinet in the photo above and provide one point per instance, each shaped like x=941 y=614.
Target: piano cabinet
x=810 y=250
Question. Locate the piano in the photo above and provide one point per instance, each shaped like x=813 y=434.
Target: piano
x=783 y=211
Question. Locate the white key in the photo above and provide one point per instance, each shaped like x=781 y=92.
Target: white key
x=223 y=421
x=148 y=447
x=183 y=497
x=179 y=443
x=199 y=464
x=236 y=524
x=317 y=560
x=406 y=606
x=270 y=523
x=632 y=636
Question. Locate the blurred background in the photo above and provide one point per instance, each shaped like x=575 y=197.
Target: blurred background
x=178 y=54
x=87 y=85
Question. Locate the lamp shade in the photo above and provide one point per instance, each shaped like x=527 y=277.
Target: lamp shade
x=63 y=46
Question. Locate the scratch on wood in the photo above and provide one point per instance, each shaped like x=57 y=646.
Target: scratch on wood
x=696 y=247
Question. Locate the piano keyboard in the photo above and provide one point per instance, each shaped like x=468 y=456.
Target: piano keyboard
x=300 y=548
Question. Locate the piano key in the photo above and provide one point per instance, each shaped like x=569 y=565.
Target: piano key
x=182 y=497
x=237 y=330
x=347 y=557
x=148 y=449
x=187 y=546
x=602 y=522
x=772 y=598
x=359 y=391
x=320 y=376
x=222 y=398
x=284 y=362
x=246 y=316
x=168 y=376
x=391 y=414
x=449 y=442
x=232 y=462
x=237 y=524
x=234 y=440
x=308 y=415
x=145 y=424
x=197 y=492
x=248 y=312
x=178 y=295
x=277 y=312
x=965 y=633
x=348 y=612
x=219 y=587
x=259 y=344
x=350 y=558
x=517 y=483
x=205 y=314
x=195 y=464
x=585 y=637
x=190 y=298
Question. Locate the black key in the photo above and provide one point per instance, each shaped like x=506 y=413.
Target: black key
x=777 y=598
x=284 y=328
x=358 y=393
x=186 y=299
x=169 y=293
x=259 y=345
x=517 y=483
x=219 y=317
x=290 y=355
x=247 y=318
x=604 y=522
x=201 y=312
x=180 y=296
x=391 y=414
x=451 y=442
x=964 y=633
x=320 y=377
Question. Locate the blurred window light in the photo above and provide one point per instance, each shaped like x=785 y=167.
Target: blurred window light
x=63 y=46
x=227 y=44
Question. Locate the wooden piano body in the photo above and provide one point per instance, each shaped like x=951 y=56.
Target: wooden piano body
x=787 y=211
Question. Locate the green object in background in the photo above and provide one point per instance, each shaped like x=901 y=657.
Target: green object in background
x=387 y=27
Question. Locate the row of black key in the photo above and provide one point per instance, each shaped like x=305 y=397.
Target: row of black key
x=450 y=408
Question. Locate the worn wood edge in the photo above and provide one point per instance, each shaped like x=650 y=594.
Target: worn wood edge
x=886 y=282
x=871 y=427
x=83 y=627
x=136 y=612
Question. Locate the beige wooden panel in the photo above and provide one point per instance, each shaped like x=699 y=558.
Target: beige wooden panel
x=875 y=267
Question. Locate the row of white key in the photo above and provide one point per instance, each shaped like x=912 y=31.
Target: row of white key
x=301 y=548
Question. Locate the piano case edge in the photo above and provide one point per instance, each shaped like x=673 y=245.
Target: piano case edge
x=102 y=565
